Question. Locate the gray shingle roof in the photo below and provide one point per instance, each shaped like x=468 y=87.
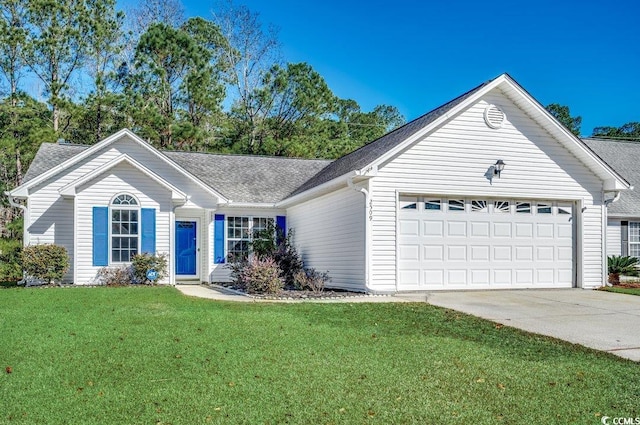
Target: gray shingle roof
x=48 y=156
x=249 y=178
x=624 y=157
x=239 y=178
x=370 y=152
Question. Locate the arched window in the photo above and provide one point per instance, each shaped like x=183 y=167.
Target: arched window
x=125 y=228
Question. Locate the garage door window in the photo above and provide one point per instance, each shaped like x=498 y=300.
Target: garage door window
x=456 y=205
x=634 y=239
x=502 y=206
x=408 y=202
x=433 y=205
x=544 y=208
x=523 y=207
x=479 y=206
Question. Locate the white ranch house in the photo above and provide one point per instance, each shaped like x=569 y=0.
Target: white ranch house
x=487 y=191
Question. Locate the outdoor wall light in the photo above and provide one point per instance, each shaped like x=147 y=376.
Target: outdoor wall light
x=498 y=167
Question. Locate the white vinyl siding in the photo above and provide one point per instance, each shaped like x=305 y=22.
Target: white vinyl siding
x=330 y=234
x=51 y=216
x=454 y=161
x=100 y=192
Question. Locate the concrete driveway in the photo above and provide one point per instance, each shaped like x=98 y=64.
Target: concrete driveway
x=597 y=319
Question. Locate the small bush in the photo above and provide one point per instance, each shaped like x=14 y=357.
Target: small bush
x=47 y=262
x=312 y=280
x=142 y=263
x=115 y=276
x=260 y=276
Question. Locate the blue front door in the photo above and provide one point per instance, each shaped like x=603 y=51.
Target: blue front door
x=186 y=248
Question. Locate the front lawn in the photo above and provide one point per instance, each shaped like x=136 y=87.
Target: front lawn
x=150 y=355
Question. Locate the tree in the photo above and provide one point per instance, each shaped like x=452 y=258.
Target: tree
x=292 y=98
x=104 y=37
x=628 y=131
x=56 y=46
x=12 y=40
x=563 y=115
x=249 y=54
x=176 y=82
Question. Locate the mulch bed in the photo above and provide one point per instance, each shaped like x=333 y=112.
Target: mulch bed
x=295 y=294
x=627 y=285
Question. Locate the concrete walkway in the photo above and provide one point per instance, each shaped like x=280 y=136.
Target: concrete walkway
x=596 y=319
x=602 y=320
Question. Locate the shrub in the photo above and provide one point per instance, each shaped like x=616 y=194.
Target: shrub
x=115 y=276
x=312 y=280
x=142 y=263
x=260 y=276
x=10 y=259
x=272 y=243
x=618 y=265
x=47 y=262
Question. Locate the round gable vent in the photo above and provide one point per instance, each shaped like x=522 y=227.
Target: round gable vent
x=493 y=116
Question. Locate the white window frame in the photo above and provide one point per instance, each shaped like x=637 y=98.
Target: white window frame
x=123 y=207
x=250 y=230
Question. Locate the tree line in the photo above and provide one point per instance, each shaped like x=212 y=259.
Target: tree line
x=80 y=70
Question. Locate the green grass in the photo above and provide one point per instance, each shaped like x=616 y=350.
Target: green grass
x=622 y=290
x=151 y=355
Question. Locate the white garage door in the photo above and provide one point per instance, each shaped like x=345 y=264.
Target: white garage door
x=480 y=243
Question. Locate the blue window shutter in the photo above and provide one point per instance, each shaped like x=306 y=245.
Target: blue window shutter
x=148 y=230
x=281 y=223
x=218 y=239
x=100 y=236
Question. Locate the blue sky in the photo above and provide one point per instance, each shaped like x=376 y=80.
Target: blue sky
x=416 y=55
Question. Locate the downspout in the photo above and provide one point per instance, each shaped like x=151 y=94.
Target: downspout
x=605 y=260
x=367 y=225
x=25 y=215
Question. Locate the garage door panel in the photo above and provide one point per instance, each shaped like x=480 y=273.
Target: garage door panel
x=457 y=253
x=409 y=227
x=565 y=231
x=524 y=253
x=565 y=253
x=480 y=277
x=409 y=252
x=544 y=230
x=488 y=248
x=524 y=230
x=480 y=253
x=544 y=253
x=457 y=277
x=565 y=276
x=480 y=229
x=457 y=229
x=502 y=253
x=434 y=277
x=502 y=276
x=433 y=228
x=524 y=277
x=502 y=230
x=433 y=252
x=545 y=276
